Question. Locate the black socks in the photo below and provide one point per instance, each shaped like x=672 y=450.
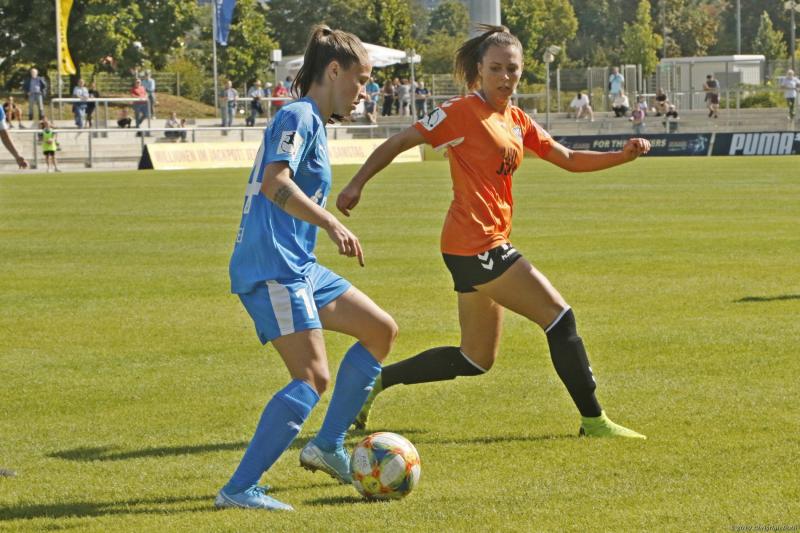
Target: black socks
x=436 y=364
x=572 y=364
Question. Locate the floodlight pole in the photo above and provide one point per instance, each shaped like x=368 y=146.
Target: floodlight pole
x=413 y=107
x=792 y=33
x=739 y=27
x=214 y=53
x=58 y=55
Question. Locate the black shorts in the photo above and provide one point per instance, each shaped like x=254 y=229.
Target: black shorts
x=471 y=270
x=49 y=152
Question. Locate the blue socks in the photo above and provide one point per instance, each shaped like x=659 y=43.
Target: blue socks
x=279 y=425
x=354 y=382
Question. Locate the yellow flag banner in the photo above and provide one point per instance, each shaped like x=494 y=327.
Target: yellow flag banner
x=66 y=66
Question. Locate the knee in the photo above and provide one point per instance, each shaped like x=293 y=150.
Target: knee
x=382 y=339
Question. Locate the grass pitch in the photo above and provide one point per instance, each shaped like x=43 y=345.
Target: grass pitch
x=132 y=380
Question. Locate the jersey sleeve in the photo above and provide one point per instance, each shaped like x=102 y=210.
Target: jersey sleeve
x=289 y=136
x=3 y=125
x=439 y=128
x=536 y=138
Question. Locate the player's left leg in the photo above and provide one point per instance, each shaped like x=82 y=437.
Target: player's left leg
x=526 y=291
x=355 y=314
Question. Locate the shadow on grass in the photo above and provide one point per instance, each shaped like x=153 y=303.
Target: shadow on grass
x=82 y=509
x=495 y=439
x=748 y=299
x=342 y=500
x=113 y=453
x=109 y=453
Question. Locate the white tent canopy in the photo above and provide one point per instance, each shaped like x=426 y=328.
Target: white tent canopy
x=380 y=56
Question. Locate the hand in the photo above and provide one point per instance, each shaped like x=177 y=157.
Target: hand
x=346 y=241
x=635 y=147
x=348 y=198
x=21 y=162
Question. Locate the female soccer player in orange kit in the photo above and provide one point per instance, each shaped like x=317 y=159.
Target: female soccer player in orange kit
x=485 y=136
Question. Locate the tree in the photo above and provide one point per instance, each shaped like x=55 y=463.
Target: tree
x=693 y=25
x=450 y=17
x=539 y=24
x=97 y=29
x=640 y=44
x=769 y=41
x=751 y=15
x=600 y=23
x=438 y=52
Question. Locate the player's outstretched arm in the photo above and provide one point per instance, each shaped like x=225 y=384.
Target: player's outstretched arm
x=586 y=161
x=277 y=185
x=377 y=161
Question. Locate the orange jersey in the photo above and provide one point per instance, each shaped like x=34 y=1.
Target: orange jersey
x=484 y=148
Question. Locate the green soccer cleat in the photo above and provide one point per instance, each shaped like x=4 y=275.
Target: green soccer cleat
x=361 y=418
x=602 y=426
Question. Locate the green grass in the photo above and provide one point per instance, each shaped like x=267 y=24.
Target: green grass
x=132 y=379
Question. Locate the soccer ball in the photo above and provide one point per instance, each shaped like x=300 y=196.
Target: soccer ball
x=385 y=466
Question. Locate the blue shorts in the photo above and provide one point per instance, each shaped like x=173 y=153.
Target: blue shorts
x=281 y=307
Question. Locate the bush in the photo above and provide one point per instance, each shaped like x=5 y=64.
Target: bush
x=193 y=81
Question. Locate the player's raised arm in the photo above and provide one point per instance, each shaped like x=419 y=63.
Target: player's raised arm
x=278 y=186
x=377 y=161
x=587 y=161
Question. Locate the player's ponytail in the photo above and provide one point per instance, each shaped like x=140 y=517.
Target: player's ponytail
x=326 y=45
x=471 y=53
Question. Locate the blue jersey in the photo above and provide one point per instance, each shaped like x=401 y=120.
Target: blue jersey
x=271 y=243
x=2 y=118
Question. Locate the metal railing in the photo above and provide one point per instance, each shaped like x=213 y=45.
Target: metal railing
x=147 y=133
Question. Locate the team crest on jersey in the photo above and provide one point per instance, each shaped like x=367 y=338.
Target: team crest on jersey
x=433 y=119
x=290 y=143
x=517 y=131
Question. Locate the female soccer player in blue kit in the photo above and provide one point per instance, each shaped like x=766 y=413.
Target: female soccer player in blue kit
x=290 y=296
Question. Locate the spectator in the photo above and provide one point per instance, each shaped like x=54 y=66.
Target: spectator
x=79 y=108
x=404 y=95
x=421 y=94
x=35 y=89
x=281 y=91
x=91 y=105
x=671 y=119
x=149 y=85
x=177 y=125
x=789 y=83
x=230 y=97
x=621 y=104
x=637 y=118
x=373 y=91
x=711 y=88
x=8 y=143
x=388 y=98
x=641 y=103
x=662 y=104
x=49 y=145
x=140 y=107
x=582 y=107
x=124 y=121
x=616 y=83
x=13 y=112
x=396 y=89
x=256 y=93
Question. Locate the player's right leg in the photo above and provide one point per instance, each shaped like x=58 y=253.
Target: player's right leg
x=281 y=316
x=481 y=322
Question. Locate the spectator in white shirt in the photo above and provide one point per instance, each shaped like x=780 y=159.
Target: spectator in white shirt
x=230 y=97
x=79 y=108
x=790 y=83
x=621 y=104
x=582 y=107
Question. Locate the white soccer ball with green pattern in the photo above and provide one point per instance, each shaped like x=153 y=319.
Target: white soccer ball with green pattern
x=385 y=466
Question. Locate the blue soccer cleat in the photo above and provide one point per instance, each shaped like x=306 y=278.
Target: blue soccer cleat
x=336 y=463
x=254 y=497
